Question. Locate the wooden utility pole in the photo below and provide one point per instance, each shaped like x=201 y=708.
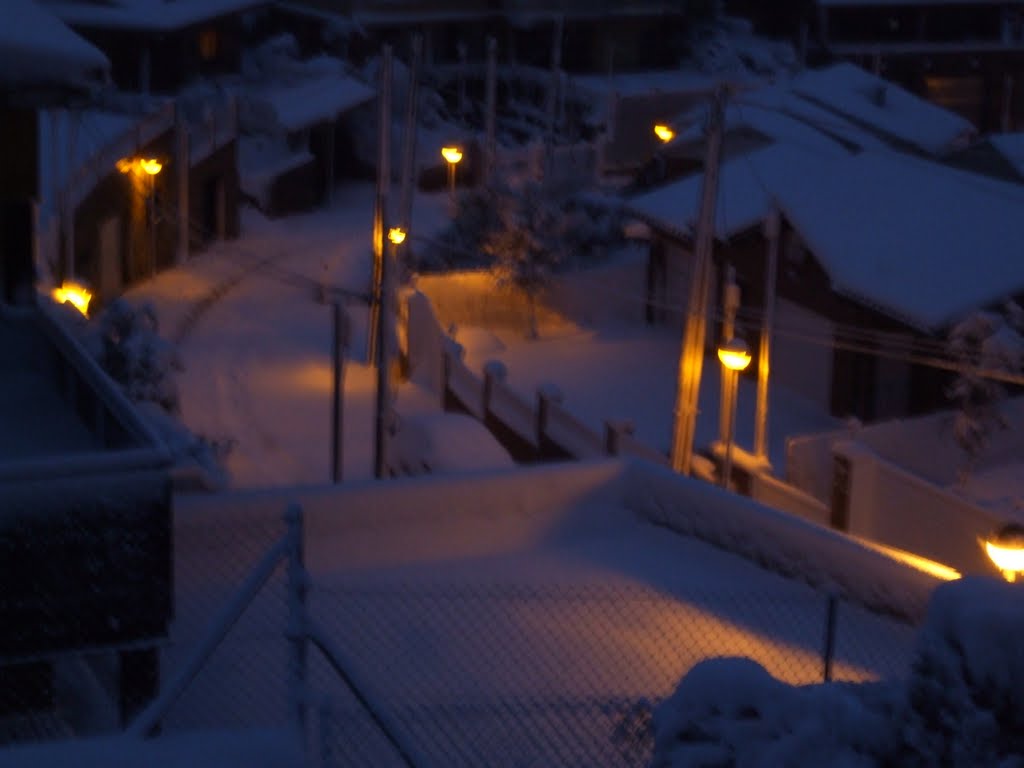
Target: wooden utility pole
x=409 y=137
x=490 y=118
x=380 y=199
x=730 y=305
x=339 y=350
x=381 y=293
x=771 y=232
x=691 y=355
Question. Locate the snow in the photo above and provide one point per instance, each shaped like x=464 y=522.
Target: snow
x=156 y=15
x=746 y=188
x=1010 y=146
x=960 y=705
x=483 y=613
x=262 y=748
x=299 y=105
x=860 y=96
x=36 y=49
x=920 y=241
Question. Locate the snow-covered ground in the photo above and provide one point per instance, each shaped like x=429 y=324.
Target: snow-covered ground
x=495 y=620
x=256 y=356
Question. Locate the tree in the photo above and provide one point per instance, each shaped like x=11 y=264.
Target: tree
x=983 y=342
x=529 y=243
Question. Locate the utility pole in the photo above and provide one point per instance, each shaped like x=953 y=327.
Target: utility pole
x=771 y=231
x=382 y=355
x=339 y=347
x=409 y=139
x=691 y=355
x=380 y=199
x=556 y=65
x=490 y=118
x=730 y=304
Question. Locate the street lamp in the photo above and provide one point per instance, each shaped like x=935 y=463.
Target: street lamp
x=664 y=132
x=75 y=294
x=735 y=357
x=396 y=235
x=1005 y=548
x=452 y=155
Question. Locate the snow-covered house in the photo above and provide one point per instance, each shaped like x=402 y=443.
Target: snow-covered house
x=965 y=56
x=880 y=253
x=157 y=46
x=305 y=136
x=42 y=63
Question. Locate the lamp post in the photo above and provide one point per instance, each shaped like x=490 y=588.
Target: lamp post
x=452 y=156
x=1005 y=548
x=735 y=357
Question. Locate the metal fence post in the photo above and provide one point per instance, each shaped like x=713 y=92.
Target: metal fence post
x=830 y=636
x=296 y=631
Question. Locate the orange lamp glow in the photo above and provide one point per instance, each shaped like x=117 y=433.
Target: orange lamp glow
x=147 y=165
x=451 y=154
x=74 y=294
x=1006 y=550
x=396 y=235
x=664 y=133
x=734 y=354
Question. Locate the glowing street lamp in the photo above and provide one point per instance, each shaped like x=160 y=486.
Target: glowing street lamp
x=1005 y=548
x=75 y=294
x=148 y=166
x=664 y=132
x=735 y=357
x=452 y=156
x=396 y=235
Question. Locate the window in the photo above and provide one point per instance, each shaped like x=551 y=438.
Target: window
x=208 y=44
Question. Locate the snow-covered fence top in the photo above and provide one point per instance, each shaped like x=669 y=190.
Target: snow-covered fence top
x=412 y=520
x=781 y=542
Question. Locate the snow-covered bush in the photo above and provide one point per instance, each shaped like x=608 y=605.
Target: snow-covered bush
x=984 y=341
x=963 y=704
x=128 y=346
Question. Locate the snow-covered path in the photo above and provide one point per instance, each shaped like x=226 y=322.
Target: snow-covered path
x=257 y=353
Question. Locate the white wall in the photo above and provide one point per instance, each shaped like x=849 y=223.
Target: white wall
x=897 y=508
x=798 y=364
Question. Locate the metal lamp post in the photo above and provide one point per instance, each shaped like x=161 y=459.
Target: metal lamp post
x=452 y=155
x=735 y=357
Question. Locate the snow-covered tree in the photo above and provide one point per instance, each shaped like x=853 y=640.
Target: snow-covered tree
x=529 y=242
x=983 y=342
x=130 y=349
x=962 y=705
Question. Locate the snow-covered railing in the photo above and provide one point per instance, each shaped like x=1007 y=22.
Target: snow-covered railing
x=568 y=432
x=462 y=384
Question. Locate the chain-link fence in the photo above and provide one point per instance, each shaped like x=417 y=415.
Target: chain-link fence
x=504 y=674
x=498 y=663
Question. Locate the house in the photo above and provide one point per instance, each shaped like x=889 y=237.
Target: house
x=161 y=48
x=967 y=57
x=880 y=253
x=85 y=528
x=309 y=140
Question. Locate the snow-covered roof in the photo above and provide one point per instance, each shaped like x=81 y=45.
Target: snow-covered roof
x=1011 y=147
x=324 y=98
x=37 y=49
x=70 y=139
x=746 y=187
x=885 y=107
x=147 y=14
x=918 y=240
